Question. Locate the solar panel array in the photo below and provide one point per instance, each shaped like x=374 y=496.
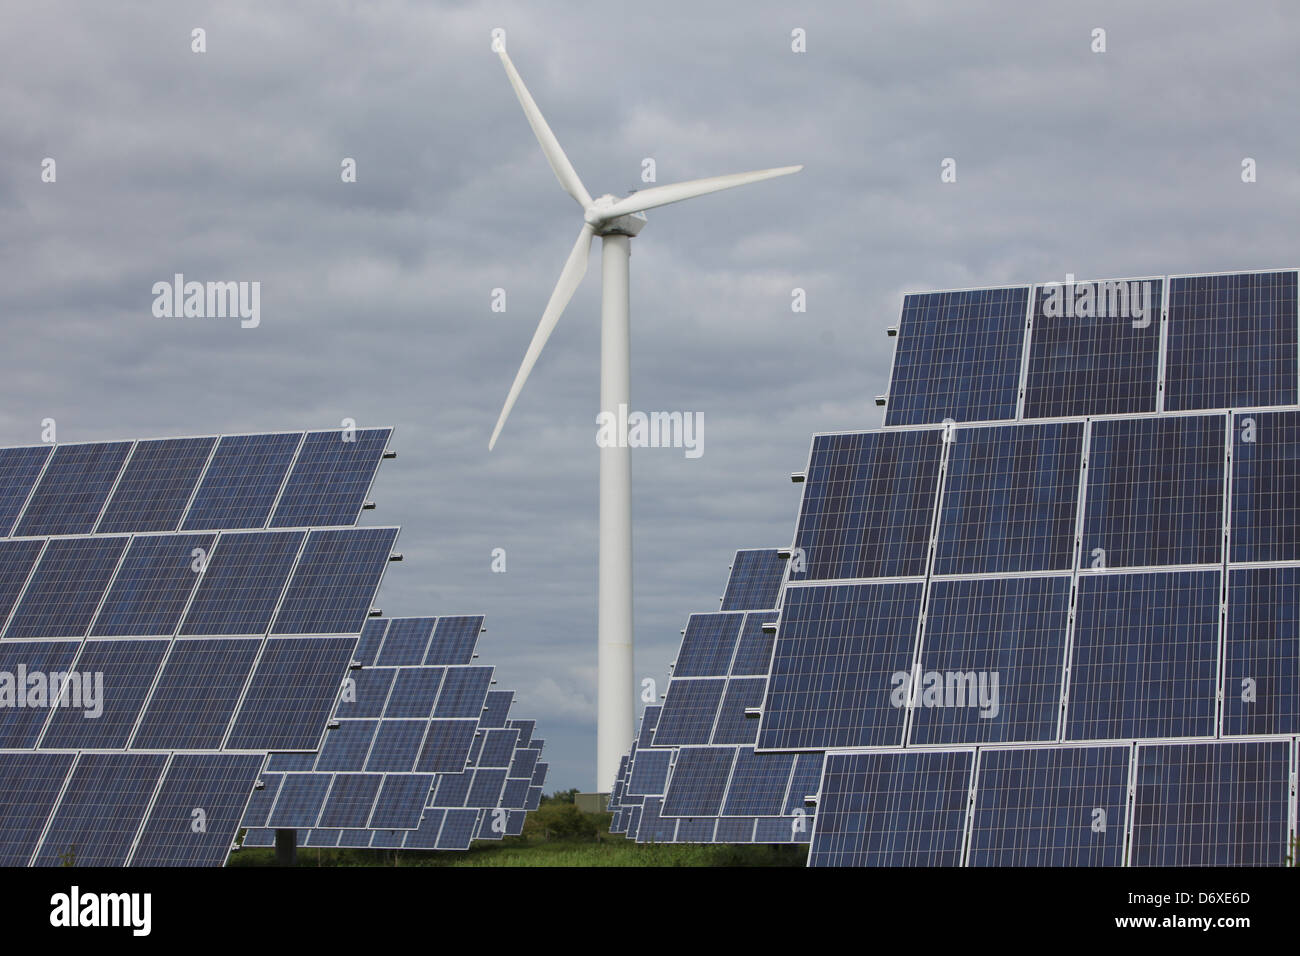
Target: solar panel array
x=171 y=612
x=1046 y=615
x=421 y=754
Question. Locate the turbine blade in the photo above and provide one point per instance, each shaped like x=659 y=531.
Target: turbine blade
x=676 y=192
x=563 y=169
x=570 y=278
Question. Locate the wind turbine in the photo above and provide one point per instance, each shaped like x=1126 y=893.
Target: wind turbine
x=616 y=221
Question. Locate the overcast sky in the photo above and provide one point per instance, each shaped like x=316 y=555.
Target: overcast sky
x=376 y=295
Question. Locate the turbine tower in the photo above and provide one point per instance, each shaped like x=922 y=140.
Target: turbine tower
x=616 y=221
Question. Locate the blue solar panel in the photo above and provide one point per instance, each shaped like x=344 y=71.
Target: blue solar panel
x=992 y=661
x=755 y=580
x=1215 y=804
x=1266 y=487
x=291 y=694
x=401 y=801
x=708 y=646
x=152 y=587
x=372 y=637
x=515 y=794
x=892 y=809
x=196 y=814
x=196 y=695
x=1261 y=686
x=66 y=587
x=524 y=764
x=464 y=691
x=733 y=727
x=288 y=763
x=1094 y=348
x=958 y=356
x=406 y=641
x=30 y=784
x=1155 y=492
x=115 y=679
x=758 y=784
x=258 y=837
x=868 y=505
x=19 y=469
x=330 y=479
x=347 y=746
x=804 y=782
x=1146 y=650
x=446 y=746
x=834 y=672
x=322 y=838
x=241 y=484
x=651 y=827
x=414 y=692
x=1059 y=806
x=72 y=492
x=156 y=485
x=498 y=747
x=452 y=789
x=426 y=836
x=1232 y=341
x=695 y=831
x=698 y=782
x=525 y=728
x=454 y=639
x=649 y=720
x=367 y=694
x=497 y=708
x=351 y=799
x=734 y=831
x=243 y=581
x=649 y=772
x=21 y=717
x=779 y=830
x=261 y=801
x=485 y=791
x=689 y=711
x=754 y=652
x=100 y=810
x=457 y=831
x=16 y=561
x=335 y=581
x=1011 y=499
x=396 y=746
x=302 y=795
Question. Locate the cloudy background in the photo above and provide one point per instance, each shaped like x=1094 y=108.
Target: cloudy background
x=376 y=295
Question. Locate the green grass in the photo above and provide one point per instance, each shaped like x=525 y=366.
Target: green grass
x=518 y=851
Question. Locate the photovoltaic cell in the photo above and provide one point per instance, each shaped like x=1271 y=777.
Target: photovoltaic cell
x=1212 y=804
x=152 y=586
x=196 y=695
x=525 y=728
x=72 y=492
x=401 y=801
x=514 y=795
x=1155 y=492
x=708 y=646
x=689 y=711
x=524 y=763
x=1094 y=348
x=347 y=745
x=219 y=784
x=805 y=781
x=992 y=660
x=464 y=691
x=1261 y=686
x=755 y=580
x=302 y=795
x=1060 y=806
x=1145 y=656
x=454 y=639
x=958 y=356
x=733 y=727
x=485 y=791
x=868 y=505
x=19 y=469
x=244 y=579
x=1232 y=341
x=414 y=692
x=406 y=641
x=758 y=784
x=240 y=485
x=29 y=786
x=261 y=801
x=156 y=485
x=128 y=669
x=1266 y=486
x=457 y=830
x=698 y=782
x=892 y=809
x=16 y=561
x=335 y=581
x=100 y=810
x=372 y=638
x=754 y=652
x=498 y=747
x=649 y=720
x=649 y=772
x=368 y=693
x=497 y=708
x=837 y=652
x=396 y=746
x=330 y=479
x=452 y=789
x=1010 y=499
x=21 y=723
x=446 y=746
x=66 y=587
x=351 y=799
x=291 y=694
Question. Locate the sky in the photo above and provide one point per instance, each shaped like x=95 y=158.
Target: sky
x=377 y=295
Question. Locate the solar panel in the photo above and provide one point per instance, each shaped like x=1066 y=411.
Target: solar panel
x=1094 y=348
x=755 y=580
x=733 y=726
x=414 y=691
x=334 y=582
x=301 y=798
x=401 y=801
x=758 y=784
x=244 y=580
x=498 y=747
x=153 y=585
x=650 y=772
x=1232 y=341
x=1266 y=486
x=19 y=469
x=454 y=639
x=102 y=805
x=30 y=785
x=291 y=693
x=330 y=478
x=708 y=645
x=868 y=505
x=457 y=831
x=958 y=356
x=1261 y=686
x=156 y=485
x=754 y=651
x=464 y=691
x=366 y=692
x=446 y=746
x=242 y=481
x=1155 y=492
x=26 y=702
x=116 y=677
x=66 y=587
x=496 y=708
x=1146 y=650
x=73 y=489
x=1211 y=804
x=397 y=744
x=372 y=638
x=892 y=809
x=406 y=641
x=347 y=746
x=689 y=710
x=17 y=558
x=351 y=800
x=1010 y=499
x=1058 y=806
x=194 y=817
